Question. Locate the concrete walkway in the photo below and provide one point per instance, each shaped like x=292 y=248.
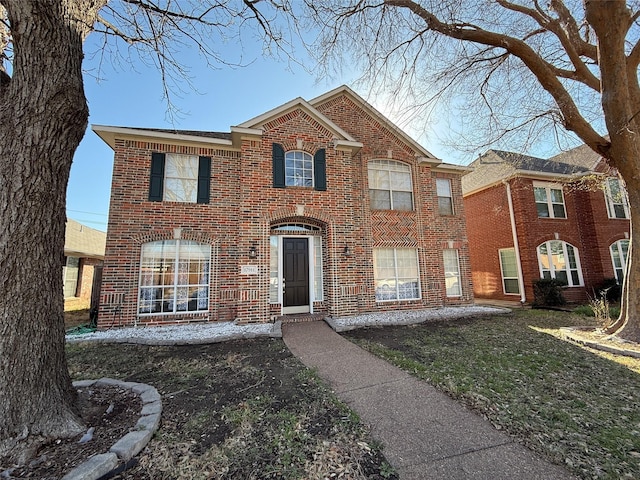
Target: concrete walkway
x=426 y=435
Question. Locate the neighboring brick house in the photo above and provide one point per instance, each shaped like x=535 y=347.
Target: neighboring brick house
x=527 y=218
x=313 y=207
x=82 y=269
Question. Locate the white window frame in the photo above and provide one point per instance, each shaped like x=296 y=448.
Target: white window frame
x=70 y=276
x=622 y=255
x=548 y=187
x=452 y=274
x=189 y=182
x=613 y=202
x=396 y=167
x=552 y=270
x=443 y=186
x=504 y=277
x=151 y=289
x=377 y=277
x=295 y=180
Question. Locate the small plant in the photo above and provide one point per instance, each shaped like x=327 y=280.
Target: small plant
x=611 y=289
x=548 y=292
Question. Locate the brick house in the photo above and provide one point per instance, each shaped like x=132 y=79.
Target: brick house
x=82 y=269
x=565 y=217
x=320 y=206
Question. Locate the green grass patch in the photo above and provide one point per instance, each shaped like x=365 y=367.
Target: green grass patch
x=565 y=402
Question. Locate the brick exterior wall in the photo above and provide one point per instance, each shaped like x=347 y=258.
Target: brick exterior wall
x=587 y=227
x=85 y=282
x=244 y=206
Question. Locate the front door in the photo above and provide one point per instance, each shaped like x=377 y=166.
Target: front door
x=295 y=275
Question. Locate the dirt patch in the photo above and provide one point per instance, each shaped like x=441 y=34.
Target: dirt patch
x=241 y=409
x=111 y=411
x=75 y=318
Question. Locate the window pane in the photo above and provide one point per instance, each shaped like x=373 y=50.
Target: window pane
x=443 y=187
x=445 y=207
x=298 y=169
x=561 y=275
x=400 y=181
x=556 y=195
x=402 y=201
x=396 y=274
x=540 y=194
x=558 y=211
x=509 y=266
x=380 y=199
x=181 y=178
x=317 y=268
x=543 y=210
x=511 y=286
x=451 y=272
x=619 y=211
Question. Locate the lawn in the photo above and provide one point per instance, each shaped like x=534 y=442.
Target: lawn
x=575 y=406
x=244 y=409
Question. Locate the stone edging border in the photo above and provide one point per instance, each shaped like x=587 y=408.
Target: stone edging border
x=132 y=443
x=567 y=334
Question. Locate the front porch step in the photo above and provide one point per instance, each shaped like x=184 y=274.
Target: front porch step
x=301 y=317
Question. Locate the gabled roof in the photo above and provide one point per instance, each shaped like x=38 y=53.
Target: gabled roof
x=83 y=241
x=344 y=90
x=582 y=156
x=498 y=165
x=109 y=133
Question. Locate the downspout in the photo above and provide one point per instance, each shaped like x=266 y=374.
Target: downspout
x=514 y=233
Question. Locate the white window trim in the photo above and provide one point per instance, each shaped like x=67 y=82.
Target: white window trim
x=169 y=157
x=450 y=196
x=611 y=203
x=517 y=277
x=395 y=267
x=313 y=173
x=458 y=276
x=375 y=165
x=552 y=270
x=548 y=187
x=623 y=259
x=175 y=285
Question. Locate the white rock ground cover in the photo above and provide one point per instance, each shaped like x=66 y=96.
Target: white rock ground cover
x=221 y=331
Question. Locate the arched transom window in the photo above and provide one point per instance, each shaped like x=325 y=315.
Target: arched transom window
x=619 y=251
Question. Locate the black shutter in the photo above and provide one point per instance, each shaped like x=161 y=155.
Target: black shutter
x=278 y=166
x=320 y=170
x=204 y=179
x=157 y=177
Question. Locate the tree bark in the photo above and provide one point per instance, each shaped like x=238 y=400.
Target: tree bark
x=43 y=117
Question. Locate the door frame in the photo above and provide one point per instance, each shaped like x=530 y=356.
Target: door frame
x=310 y=253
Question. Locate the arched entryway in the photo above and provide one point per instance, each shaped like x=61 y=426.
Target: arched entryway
x=296 y=265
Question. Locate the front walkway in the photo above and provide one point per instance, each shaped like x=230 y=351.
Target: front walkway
x=426 y=435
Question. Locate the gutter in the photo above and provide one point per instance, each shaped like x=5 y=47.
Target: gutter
x=523 y=296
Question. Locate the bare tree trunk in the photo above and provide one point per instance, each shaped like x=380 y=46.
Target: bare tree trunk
x=43 y=116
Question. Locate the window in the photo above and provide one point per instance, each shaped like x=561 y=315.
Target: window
x=445 y=198
x=179 y=178
x=560 y=260
x=174 y=277
x=619 y=251
x=509 y=268
x=390 y=185
x=395 y=272
x=298 y=169
x=549 y=200
x=70 y=276
x=617 y=202
x=452 y=272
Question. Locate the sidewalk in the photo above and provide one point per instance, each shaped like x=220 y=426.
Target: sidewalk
x=426 y=435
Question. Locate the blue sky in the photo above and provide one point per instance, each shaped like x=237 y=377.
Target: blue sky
x=222 y=98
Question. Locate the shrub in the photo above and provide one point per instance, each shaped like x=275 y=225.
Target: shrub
x=610 y=289
x=548 y=292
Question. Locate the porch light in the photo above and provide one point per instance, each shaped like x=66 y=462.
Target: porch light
x=253 y=253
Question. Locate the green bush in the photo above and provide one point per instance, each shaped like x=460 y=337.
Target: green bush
x=548 y=292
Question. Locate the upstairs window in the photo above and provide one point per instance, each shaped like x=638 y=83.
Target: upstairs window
x=390 y=186
x=617 y=202
x=560 y=260
x=549 y=200
x=619 y=251
x=299 y=169
x=179 y=178
x=445 y=197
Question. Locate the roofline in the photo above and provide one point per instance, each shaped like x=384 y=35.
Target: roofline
x=534 y=176
x=448 y=167
x=108 y=134
x=291 y=106
x=388 y=123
